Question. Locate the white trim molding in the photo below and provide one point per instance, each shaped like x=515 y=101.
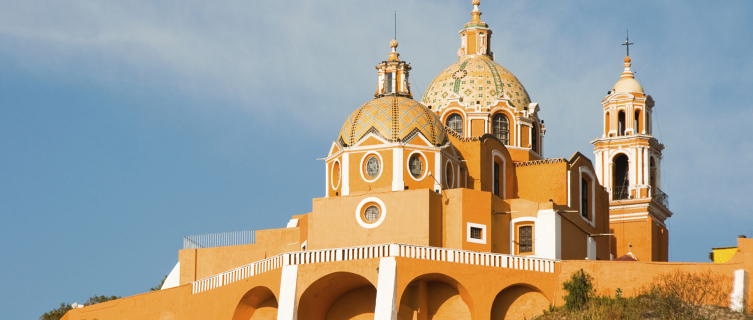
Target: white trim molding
x=382 y=212
x=548 y=233
x=386 y=302
x=288 y=305
x=483 y=233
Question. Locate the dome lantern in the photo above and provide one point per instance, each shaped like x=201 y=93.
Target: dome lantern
x=475 y=35
x=393 y=76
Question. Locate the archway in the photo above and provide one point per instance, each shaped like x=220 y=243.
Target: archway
x=258 y=303
x=338 y=296
x=621 y=123
x=518 y=302
x=435 y=297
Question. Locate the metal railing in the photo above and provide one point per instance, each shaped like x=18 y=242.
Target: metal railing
x=221 y=239
x=376 y=251
x=660 y=197
x=620 y=193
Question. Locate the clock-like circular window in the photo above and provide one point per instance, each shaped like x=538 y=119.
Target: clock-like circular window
x=416 y=166
x=372 y=167
x=372 y=214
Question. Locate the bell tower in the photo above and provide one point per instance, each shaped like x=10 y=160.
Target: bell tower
x=628 y=164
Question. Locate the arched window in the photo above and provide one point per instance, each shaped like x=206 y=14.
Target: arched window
x=534 y=139
x=455 y=122
x=584 y=197
x=637 y=125
x=501 y=128
x=495 y=179
x=620 y=177
x=621 y=123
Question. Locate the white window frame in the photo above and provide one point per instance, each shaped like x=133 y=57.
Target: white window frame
x=483 y=233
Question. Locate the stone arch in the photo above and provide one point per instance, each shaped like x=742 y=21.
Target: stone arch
x=338 y=296
x=440 y=296
x=519 y=301
x=257 y=303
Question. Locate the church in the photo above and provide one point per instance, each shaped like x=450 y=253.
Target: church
x=446 y=207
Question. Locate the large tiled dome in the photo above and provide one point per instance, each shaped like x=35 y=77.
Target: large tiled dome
x=394 y=119
x=475 y=78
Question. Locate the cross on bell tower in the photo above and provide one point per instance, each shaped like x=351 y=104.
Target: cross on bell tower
x=627 y=44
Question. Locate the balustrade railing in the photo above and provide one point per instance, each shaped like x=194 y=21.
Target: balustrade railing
x=620 y=193
x=660 y=197
x=376 y=251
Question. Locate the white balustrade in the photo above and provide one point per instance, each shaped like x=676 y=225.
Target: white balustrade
x=376 y=251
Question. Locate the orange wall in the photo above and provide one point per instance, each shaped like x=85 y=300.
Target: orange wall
x=358 y=185
x=542 y=182
x=333 y=224
x=196 y=264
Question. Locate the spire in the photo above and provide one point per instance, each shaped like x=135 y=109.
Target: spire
x=393 y=75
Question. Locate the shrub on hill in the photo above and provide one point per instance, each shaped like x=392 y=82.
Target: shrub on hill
x=675 y=295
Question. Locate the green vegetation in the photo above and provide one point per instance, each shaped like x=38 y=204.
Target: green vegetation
x=65 y=307
x=160 y=285
x=677 y=295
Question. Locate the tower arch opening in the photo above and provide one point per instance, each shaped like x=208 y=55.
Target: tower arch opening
x=621 y=123
x=620 y=177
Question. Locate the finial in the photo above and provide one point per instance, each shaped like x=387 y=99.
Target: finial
x=393 y=55
x=476 y=13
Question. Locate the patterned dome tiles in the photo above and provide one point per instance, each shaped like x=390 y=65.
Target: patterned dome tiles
x=409 y=117
x=476 y=78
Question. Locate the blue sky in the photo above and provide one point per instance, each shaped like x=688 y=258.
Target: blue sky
x=125 y=126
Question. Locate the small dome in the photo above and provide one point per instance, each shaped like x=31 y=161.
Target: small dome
x=627 y=85
x=627 y=82
x=394 y=119
x=476 y=78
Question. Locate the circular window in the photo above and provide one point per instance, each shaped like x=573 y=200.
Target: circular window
x=335 y=175
x=448 y=175
x=372 y=167
x=416 y=166
x=372 y=213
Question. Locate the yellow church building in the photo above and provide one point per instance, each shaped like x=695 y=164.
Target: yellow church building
x=445 y=208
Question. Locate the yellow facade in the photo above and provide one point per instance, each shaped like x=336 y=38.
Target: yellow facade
x=431 y=216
